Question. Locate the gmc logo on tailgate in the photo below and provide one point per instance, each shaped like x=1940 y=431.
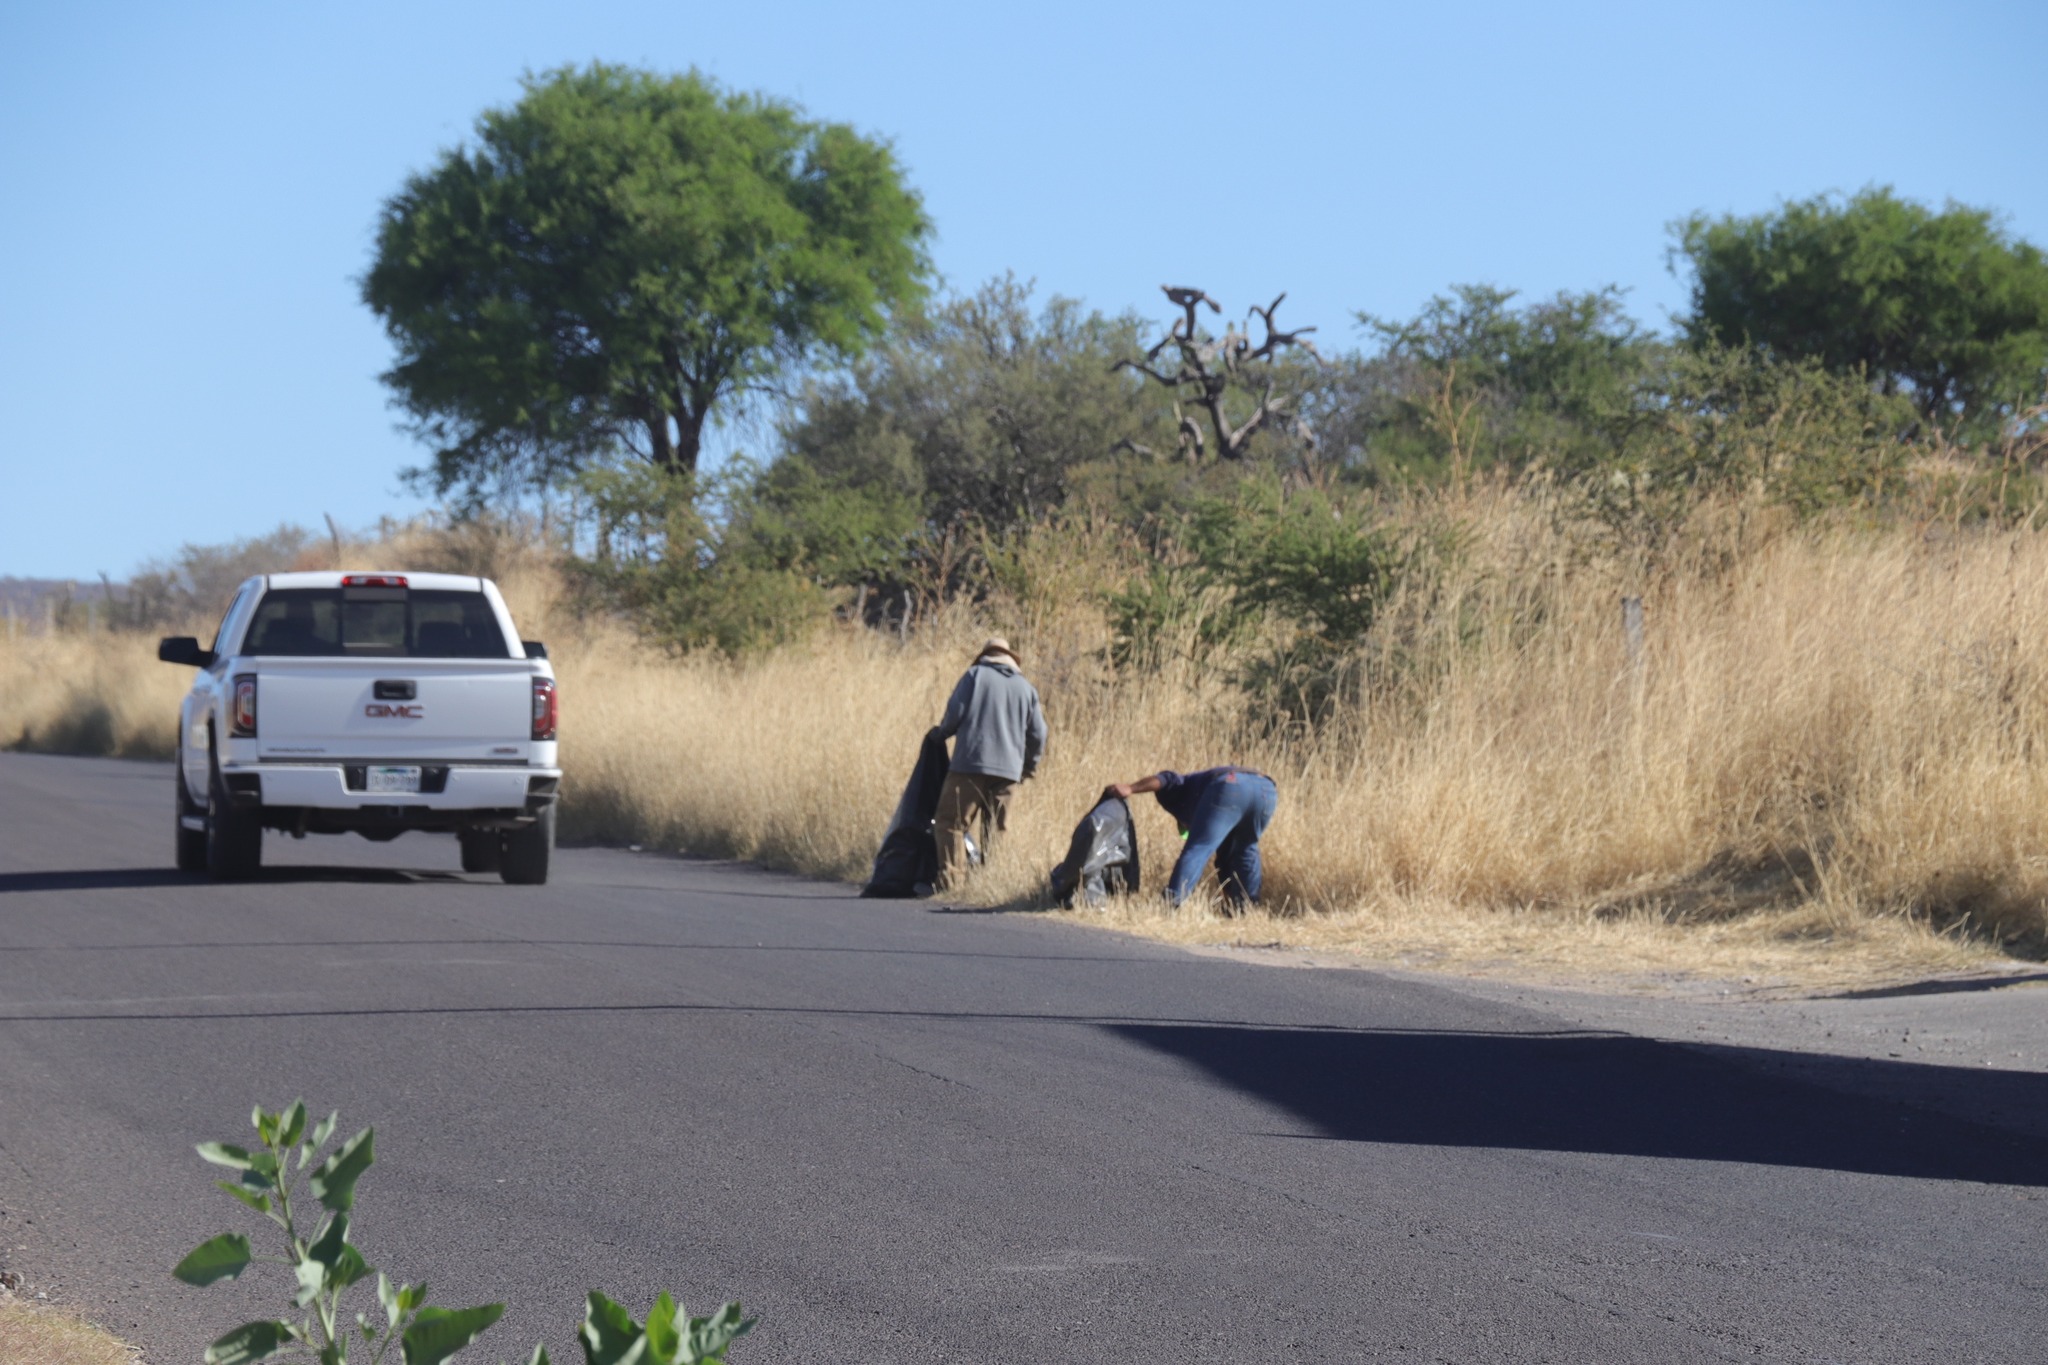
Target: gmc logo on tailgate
x=378 y=710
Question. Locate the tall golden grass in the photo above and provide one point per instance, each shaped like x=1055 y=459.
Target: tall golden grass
x=1829 y=758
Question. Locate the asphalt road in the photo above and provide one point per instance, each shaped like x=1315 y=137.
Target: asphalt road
x=901 y=1134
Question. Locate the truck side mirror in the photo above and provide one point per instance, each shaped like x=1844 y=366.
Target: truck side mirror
x=534 y=649
x=183 y=649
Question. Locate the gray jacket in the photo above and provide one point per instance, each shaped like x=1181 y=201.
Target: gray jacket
x=994 y=711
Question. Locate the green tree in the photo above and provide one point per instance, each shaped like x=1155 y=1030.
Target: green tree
x=617 y=255
x=980 y=411
x=1473 y=381
x=1945 y=307
x=675 y=557
x=837 y=531
x=1720 y=420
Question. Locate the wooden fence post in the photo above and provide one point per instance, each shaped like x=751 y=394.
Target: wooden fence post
x=1632 y=643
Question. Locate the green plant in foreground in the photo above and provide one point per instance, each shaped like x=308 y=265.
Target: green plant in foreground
x=670 y=1335
x=274 y=1180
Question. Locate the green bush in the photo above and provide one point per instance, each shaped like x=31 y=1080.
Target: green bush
x=682 y=577
x=1291 y=580
x=1473 y=382
x=1732 y=420
x=982 y=410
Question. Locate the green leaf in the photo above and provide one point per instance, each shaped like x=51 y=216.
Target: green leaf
x=389 y=1297
x=324 y=1130
x=710 y=1336
x=609 y=1334
x=333 y=1181
x=312 y=1276
x=348 y=1269
x=262 y=1172
x=221 y=1258
x=258 y=1202
x=330 y=1263
x=663 y=1340
x=224 y=1154
x=251 y=1341
x=539 y=1356
x=257 y=1118
x=438 y=1333
x=294 y=1125
x=333 y=1236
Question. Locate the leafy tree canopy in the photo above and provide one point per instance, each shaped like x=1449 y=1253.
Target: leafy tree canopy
x=1945 y=307
x=980 y=411
x=618 y=254
x=1476 y=380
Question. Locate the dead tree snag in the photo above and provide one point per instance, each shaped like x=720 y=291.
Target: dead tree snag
x=1208 y=367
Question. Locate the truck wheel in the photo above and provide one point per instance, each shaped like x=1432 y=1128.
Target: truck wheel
x=482 y=849
x=191 y=843
x=234 y=838
x=529 y=849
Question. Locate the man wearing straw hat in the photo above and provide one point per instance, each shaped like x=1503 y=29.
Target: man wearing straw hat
x=998 y=734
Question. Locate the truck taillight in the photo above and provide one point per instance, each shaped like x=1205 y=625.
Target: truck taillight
x=242 y=715
x=544 y=708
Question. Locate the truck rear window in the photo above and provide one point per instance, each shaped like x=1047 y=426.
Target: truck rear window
x=390 y=623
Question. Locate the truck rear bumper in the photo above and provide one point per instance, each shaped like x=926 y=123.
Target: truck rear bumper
x=334 y=796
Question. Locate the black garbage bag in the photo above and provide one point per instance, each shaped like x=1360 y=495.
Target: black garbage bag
x=909 y=856
x=1102 y=857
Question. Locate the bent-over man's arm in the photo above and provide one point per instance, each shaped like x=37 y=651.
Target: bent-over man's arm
x=1124 y=791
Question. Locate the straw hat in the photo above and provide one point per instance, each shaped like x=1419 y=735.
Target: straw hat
x=996 y=644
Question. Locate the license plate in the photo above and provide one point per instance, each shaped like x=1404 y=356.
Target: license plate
x=394 y=779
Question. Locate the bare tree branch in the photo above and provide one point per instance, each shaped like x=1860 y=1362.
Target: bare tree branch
x=1210 y=366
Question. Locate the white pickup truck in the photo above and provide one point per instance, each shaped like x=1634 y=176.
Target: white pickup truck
x=368 y=702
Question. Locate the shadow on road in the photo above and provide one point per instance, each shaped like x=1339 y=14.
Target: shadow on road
x=1617 y=1095
x=1942 y=986
x=130 y=878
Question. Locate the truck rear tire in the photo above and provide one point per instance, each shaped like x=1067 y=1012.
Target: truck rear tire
x=528 y=850
x=191 y=843
x=483 y=850
x=234 y=838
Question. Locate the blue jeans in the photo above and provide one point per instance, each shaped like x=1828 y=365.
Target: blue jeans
x=1227 y=825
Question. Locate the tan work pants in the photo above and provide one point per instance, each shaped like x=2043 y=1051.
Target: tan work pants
x=969 y=801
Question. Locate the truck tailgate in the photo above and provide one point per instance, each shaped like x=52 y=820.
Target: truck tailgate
x=397 y=708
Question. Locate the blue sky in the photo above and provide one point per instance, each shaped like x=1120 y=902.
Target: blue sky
x=187 y=193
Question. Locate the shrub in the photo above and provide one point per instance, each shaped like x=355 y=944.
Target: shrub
x=273 y=1180
x=1289 y=581
x=676 y=571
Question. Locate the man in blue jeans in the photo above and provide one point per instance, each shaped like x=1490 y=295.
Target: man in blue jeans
x=1221 y=811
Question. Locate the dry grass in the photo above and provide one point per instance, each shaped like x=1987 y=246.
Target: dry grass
x=91 y=694
x=1828 y=767
x=37 y=1334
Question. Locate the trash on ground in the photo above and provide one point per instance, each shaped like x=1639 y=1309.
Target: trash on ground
x=1102 y=857
x=907 y=864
